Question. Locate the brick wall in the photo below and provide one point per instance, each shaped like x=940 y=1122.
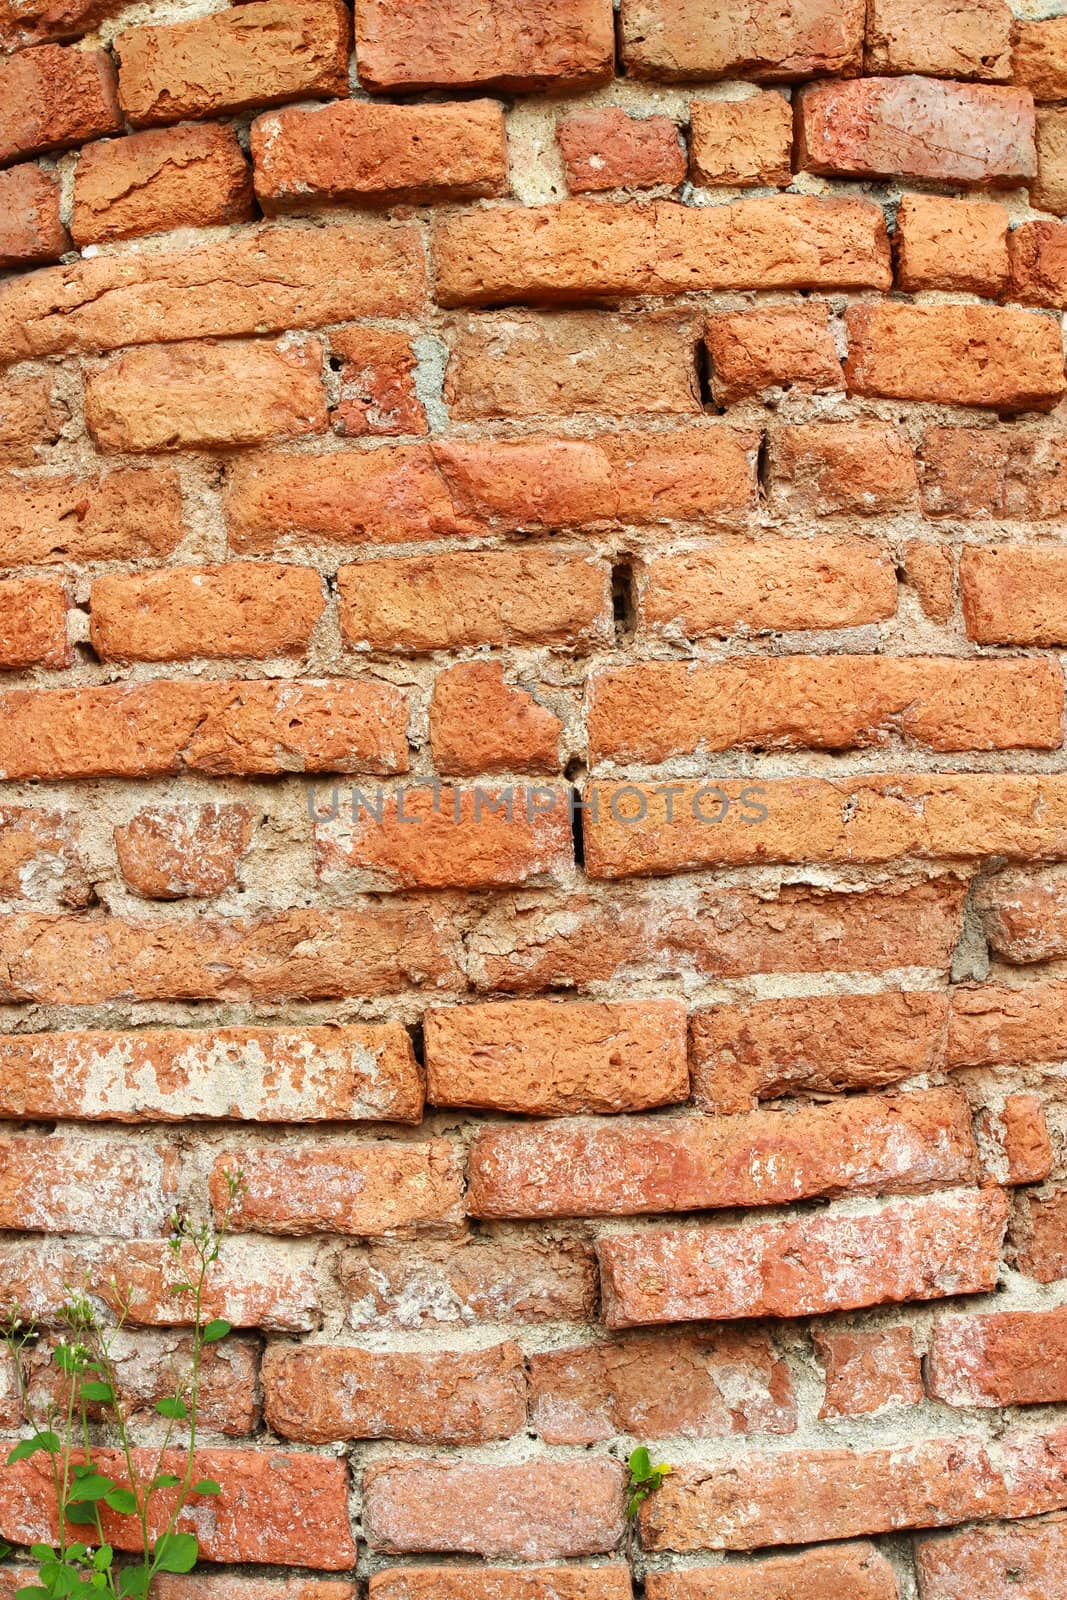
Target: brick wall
x=649 y=426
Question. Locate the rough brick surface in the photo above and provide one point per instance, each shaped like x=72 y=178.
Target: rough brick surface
x=1026 y=1558
x=867 y=469
x=741 y=143
x=608 y=149
x=757 y=39
x=608 y=1582
x=867 y=1370
x=787 y=347
x=31 y=420
x=239 y=609
x=52 y=98
x=153 y=181
x=40 y=854
x=1039 y=264
x=856 y=1570
x=481 y=723
x=1039 y=57
x=378 y=392
x=955 y=245
x=120 y=515
x=33 y=623
x=942 y=39
x=30 y=228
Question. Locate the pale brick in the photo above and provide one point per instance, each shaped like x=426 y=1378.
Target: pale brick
x=956 y=245
x=40 y=857
x=1011 y=1358
x=742 y=143
x=183 y=852
x=942 y=39
x=680 y=39
x=69 y=1183
x=851 y=1571
x=1022 y=1559
x=119 y=516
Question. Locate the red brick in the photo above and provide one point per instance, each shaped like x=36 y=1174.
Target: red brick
x=541 y=1058
x=243 y=609
x=481 y=723
x=442 y=838
x=1039 y=57
x=942 y=40
x=834 y=1260
x=850 y=1571
x=316 y=1394
x=237 y=60
x=993 y=1024
x=610 y=1582
x=1039 y=1234
x=772 y=347
x=867 y=1369
x=583 y=250
x=741 y=143
x=237 y=1586
x=274 y=1507
x=482 y=1277
x=378 y=394
x=51 y=98
x=33 y=623
x=819 y=1044
x=528 y=1511
x=762 y=40
x=306 y=955
x=40 y=857
x=351 y=1072
x=1012 y=1358
x=183 y=852
x=414 y=604
x=366 y=1190
x=355 y=150
x=651 y=711
x=149 y=182
x=957 y=245
x=25 y=22
x=119 y=516
x=694 y=1385
x=67 y=1183
x=258 y=280
x=744 y=586
x=914 y=127
x=1017 y=1140
x=929 y=570
x=1024 y=914
x=959 y=354
x=30 y=227
x=611 y=149
x=820 y=469
x=993 y=472
x=1021 y=1559
x=506 y=44
x=1048 y=191
x=31 y=419
x=1038 y=253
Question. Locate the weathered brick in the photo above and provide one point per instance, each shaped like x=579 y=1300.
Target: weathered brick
x=441 y=838
x=1048 y=191
x=541 y=1058
x=585 y=1168
x=228 y=1585
x=742 y=143
x=259 y=280
x=1038 y=253
x=51 y=98
x=1021 y=1559
x=611 y=149
x=834 y=1260
x=502 y=1583
x=759 y=39
x=1011 y=1358
x=772 y=347
x=745 y=586
x=695 y=1385
x=247 y=609
x=993 y=472
x=489 y=1276
x=857 y=1571
x=31 y=419
x=318 y=1394
x=69 y=1183
x=119 y=516
x=149 y=182
x=1024 y=914
x=529 y=365
x=309 y=955
x=1039 y=1234
x=959 y=354
x=956 y=245
x=355 y=150
x=249 y=56
x=414 y=604
x=1014 y=594
x=1039 y=57
x=914 y=127
x=820 y=1044
x=378 y=393
x=40 y=856
x=993 y=1024
x=1022 y=1146
x=929 y=571
x=942 y=40
x=529 y=1511
x=654 y=710
x=351 y=1072
x=822 y=468
x=364 y=1190
x=867 y=1369
x=25 y=22
x=30 y=226
x=183 y=852
x=33 y=623
x=481 y=723
x=506 y=44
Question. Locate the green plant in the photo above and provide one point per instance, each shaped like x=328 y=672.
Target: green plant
x=82 y=1562
x=645 y=1479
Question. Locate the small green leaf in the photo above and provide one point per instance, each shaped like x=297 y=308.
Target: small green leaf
x=31 y=1592
x=172 y=1407
x=133 y=1581
x=181 y=1288
x=103 y=1558
x=94 y=1487
x=166 y=1480
x=41 y=1552
x=216 y=1329
x=124 y=1501
x=81 y=1515
x=99 y=1392
x=176 y=1552
x=640 y=1464
x=206 y=1486
x=49 y=1442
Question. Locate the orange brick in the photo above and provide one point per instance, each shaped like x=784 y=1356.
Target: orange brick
x=959 y=354
x=740 y=586
x=671 y=42
x=38 y=21
x=502 y=1583
x=480 y=723
x=993 y=472
x=51 y=98
x=31 y=419
x=868 y=1369
x=588 y=1168
x=1014 y=594
x=529 y=1511
x=507 y=44
x=355 y=149
x=611 y=149
x=583 y=250
x=1038 y=253
x=33 y=623
x=318 y=1395
x=183 y=852
x=118 y=516
x=1021 y=1147
x=149 y=182
x=349 y=1073
x=67 y=1183
x=40 y=856
x=822 y=468
x=930 y=572
x=541 y=1058
x=818 y=1044
x=741 y=143
x=1024 y=914
x=857 y=1571
x=1039 y=1236
x=30 y=227
x=993 y=1024
x=245 y=609
x=1023 y=1559
x=1014 y=1358
x=378 y=393
x=227 y=1585
x=1048 y=191
x=703 y=1385
x=942 y=40
x=961 y=134
x=772 y=347
x=1039 y=57
x=958 y=245
x=920 y=1249
x=242 y=59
